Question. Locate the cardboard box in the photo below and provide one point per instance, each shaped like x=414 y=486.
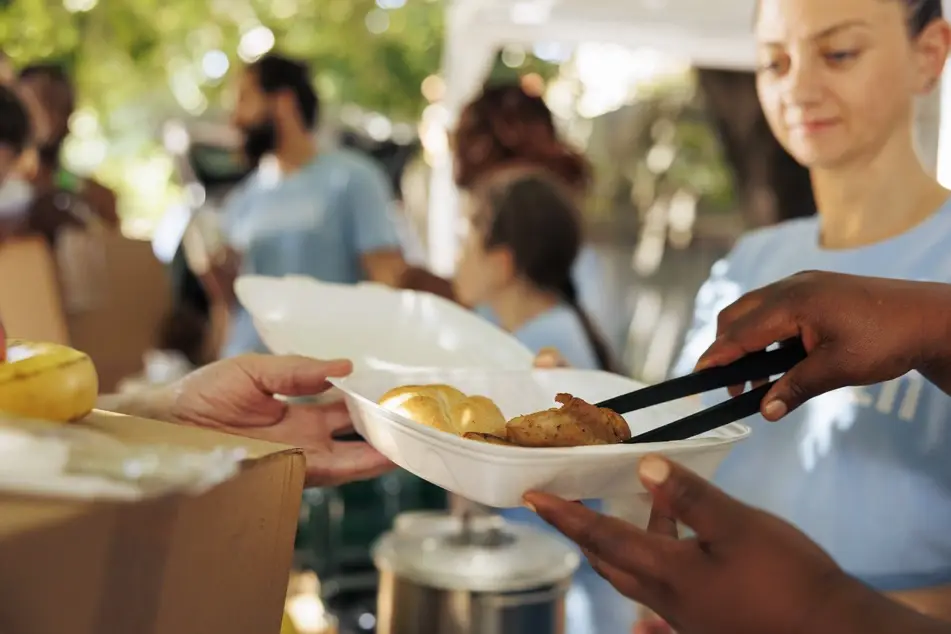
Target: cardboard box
x=216 y=563
x=110 y=327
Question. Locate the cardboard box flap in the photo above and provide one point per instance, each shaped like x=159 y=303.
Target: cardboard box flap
x=148 y=432
x=38 y=500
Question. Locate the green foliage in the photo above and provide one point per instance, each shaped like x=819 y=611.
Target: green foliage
x=126 y=55
x=122 y=50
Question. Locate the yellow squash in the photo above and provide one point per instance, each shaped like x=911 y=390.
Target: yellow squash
x=47 y=381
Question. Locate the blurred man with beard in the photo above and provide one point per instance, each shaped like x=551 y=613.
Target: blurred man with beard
x=325 y=214
x=61 y=198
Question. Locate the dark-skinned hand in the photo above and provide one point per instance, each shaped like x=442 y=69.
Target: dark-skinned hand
x=744 y=572
x=856 y=330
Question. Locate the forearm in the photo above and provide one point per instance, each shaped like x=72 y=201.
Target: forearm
x=857 y=609
x=385 y=267
x=418 y=279
x=154 y=403
x=934 y=329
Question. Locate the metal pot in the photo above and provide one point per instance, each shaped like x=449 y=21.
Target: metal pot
x=445 y=574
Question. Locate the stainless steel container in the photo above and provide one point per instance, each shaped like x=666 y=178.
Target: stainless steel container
x=445 y=574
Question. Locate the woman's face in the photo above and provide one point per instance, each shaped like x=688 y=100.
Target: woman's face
x=837 y=79
x=480 y=272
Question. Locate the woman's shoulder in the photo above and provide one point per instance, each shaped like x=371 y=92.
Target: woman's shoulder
x=796 y=236
x=797 y=229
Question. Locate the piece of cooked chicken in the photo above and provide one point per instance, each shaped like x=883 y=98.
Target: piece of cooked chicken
x=576 y=423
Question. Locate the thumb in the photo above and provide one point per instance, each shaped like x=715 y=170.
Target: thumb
x=687 y=497
x=809 y=378
x=291 y=375
x=346 y=462
x=652 y=626
x=550 y=358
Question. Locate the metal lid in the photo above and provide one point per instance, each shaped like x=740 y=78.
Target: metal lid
x=486 y=555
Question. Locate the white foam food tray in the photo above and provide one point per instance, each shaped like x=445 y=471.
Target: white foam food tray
x=499 y=476
x=374 y=326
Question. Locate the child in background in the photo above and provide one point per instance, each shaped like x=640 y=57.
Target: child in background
x=524 y=236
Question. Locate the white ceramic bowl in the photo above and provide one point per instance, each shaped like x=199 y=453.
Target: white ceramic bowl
x=499 y=476
x=374 y=326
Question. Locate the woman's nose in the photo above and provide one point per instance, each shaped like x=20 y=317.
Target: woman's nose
x=803 y=82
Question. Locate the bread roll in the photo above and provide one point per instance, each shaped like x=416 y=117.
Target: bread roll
x=478 y=414
x=426 y=404
x=446 y=408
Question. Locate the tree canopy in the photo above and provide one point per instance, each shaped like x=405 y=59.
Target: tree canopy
x=129 y=50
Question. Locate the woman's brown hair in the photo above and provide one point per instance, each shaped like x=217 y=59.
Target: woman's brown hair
x=531 y=214
x=919 y=14
x=505 y=126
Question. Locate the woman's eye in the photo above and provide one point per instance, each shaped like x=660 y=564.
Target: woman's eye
x=839 y=57
x=773 y=65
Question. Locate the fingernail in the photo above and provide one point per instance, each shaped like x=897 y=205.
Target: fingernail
x=775 y=410
x=529 y=506
x=654 y=470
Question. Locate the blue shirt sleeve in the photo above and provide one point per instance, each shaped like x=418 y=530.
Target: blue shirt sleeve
x=231 y=212
x=369 y=203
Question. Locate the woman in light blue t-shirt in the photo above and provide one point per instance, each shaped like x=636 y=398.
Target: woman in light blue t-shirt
x=863 y=471
x=524 y=235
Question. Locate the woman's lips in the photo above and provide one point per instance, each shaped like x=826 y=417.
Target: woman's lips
x=814 y=127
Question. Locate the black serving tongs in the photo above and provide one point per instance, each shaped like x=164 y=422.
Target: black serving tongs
x=753 y=367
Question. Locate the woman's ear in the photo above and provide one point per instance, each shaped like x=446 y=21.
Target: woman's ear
x=932 y=48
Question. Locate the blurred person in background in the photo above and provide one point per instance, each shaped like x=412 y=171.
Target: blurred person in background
x=61 y=198
x=15 y=137
x=863 y=471
x=20 y=156
x=507 y=127
x=518 y=256
x=524 y=235
x=326 y=214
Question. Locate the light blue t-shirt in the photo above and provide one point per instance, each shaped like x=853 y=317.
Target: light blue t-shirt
x=588 y=274
x=317 y=221
x=560 y=328
x=865 y=472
